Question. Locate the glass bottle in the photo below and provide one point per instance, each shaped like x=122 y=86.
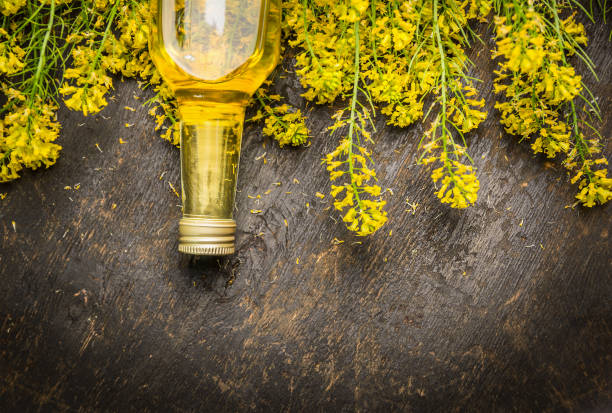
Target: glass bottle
x=213 y=54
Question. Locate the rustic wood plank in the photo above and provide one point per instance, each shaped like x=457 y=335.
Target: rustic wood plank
x=453 y=311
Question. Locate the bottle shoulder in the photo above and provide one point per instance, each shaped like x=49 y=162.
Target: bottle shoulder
x=244 y=79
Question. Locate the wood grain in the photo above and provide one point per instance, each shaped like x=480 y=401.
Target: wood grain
x=502 y=307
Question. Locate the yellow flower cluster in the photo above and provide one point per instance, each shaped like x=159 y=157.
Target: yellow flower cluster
x=594 y=185
x=459 y=184
x=134 y=31
x=11 y=54
x=164 y=100
x=121 y=49
x=133 y=27
x=91 y=82
x=288 y=128
x=395 y=54
x=540 y=86
x=282 y=122
x=29 y=127
x=358 y=199
x=534 y=79
x=330 y=65
x=96 y=57
x=26 y=136
x=440 y=55
x=10 y=7
x=99 y=38
x=406 y=46
x=322 y=65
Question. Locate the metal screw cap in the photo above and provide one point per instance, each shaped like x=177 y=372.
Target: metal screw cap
x=207 y=236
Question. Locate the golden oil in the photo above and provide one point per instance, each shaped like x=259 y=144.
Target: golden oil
x=214 y=54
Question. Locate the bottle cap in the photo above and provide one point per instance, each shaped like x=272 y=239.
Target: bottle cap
x=207 y=236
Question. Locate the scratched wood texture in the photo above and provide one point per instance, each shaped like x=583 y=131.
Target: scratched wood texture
x=503 y=307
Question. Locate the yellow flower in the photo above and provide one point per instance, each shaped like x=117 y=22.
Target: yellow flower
x=27 y=138
x=9 y=7
x=11 y=57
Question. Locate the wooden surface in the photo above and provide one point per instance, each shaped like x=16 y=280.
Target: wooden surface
x=502 y=307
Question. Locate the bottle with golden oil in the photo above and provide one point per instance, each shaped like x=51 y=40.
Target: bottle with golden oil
x=214 y=54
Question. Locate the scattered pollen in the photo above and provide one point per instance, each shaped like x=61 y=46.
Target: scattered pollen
x=174 y=190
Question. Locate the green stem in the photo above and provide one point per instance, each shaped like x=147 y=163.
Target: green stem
x=306 y=37
x=353 y=114
x=582 y=146
x=42 y=57
x=443 y=85
x=373 y=38
x=27 y=20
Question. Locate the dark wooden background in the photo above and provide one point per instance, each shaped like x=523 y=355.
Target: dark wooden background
x=502 y=307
